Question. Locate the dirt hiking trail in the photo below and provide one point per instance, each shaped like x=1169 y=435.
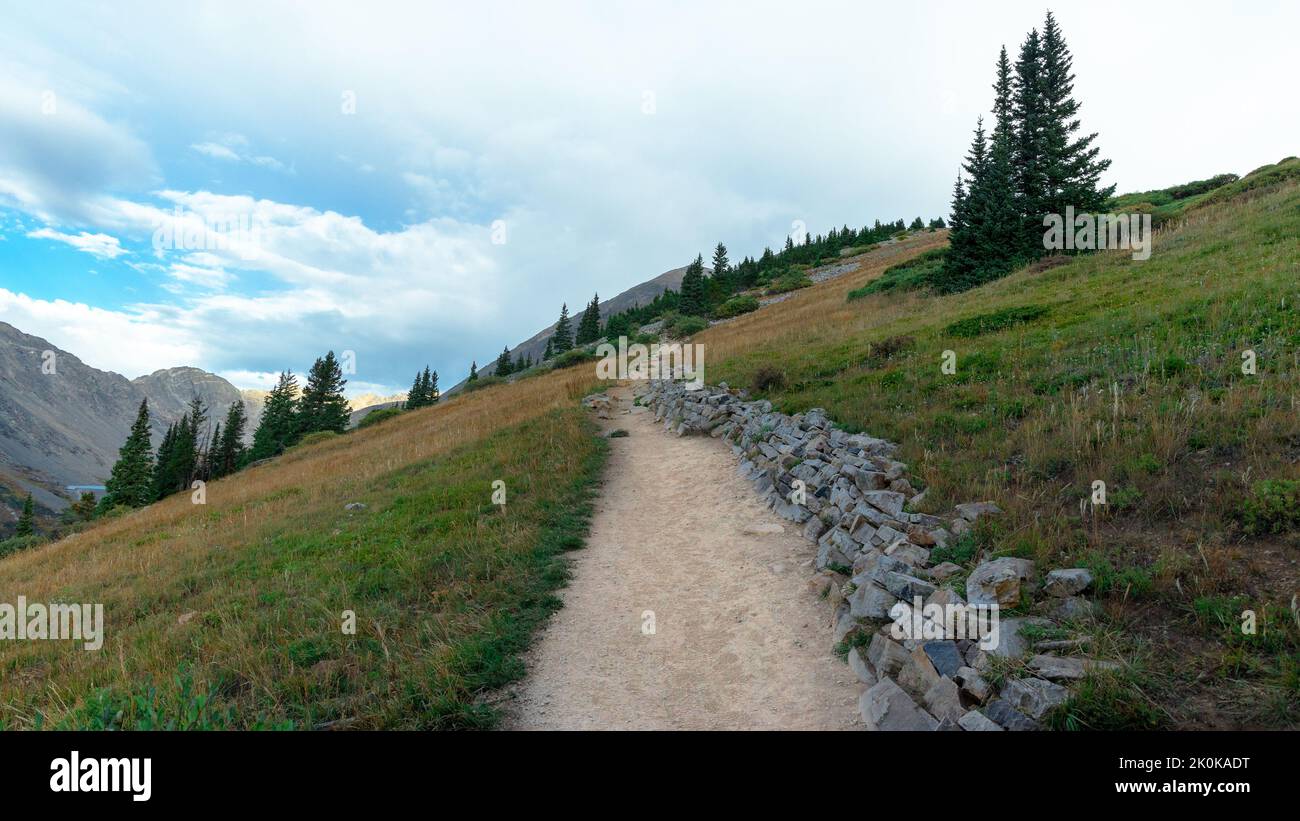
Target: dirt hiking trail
x=739 y=641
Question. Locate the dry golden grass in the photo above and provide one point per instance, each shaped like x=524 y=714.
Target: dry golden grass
x=271 y=559
x=819 y=313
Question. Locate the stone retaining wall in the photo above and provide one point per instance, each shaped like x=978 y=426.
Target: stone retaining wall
x=873 y=555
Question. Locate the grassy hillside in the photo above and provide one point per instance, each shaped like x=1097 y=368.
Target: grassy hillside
x=1099 y=368
x=230 y=614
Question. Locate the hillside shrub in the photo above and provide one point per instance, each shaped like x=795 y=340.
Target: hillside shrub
x=683 y=326
x=317 y=437
x=789 y=281
x=995 y=321
x=915 y=273
x=568 y=359
x=488 y=381
x=736 y=306
x=1272 y=507
x=17 y=543
x=381 y=415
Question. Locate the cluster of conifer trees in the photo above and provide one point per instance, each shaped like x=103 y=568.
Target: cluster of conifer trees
x=191 y=450
x=424 y=391
x=702 y=291
x=1033 y=164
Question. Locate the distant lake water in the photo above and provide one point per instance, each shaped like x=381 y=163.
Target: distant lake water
x=99 y=488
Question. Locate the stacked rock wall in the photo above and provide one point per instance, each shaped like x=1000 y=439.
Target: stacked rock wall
x=850 y=497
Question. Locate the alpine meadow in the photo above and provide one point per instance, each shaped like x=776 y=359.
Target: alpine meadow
x=949 y=383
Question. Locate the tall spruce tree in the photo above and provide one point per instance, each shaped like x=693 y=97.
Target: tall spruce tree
x=323 y=406
x=692 y=301
x=1000 y=246
x=550 y=348
x=198 y=424
x=962 y=261
x=473 y=372
x=210 y=470
x=1029 y=152
x=431 y=394
x=415 y=396
x=721 y=266
x=278 y=427
x=27 y=521
x=589 y=323
x=162 y=478
x=562 y=339
x=131 y=480
x=1071 y=165
x=504 y=367
x=230 y=448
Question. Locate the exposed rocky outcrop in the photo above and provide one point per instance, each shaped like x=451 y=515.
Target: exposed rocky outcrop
x=852 y=498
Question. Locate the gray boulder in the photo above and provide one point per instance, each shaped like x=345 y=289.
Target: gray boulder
x=943 y=700
x=886 y=501
x=861 y=667
x=973 y=510
x=1069 y=668
x=999 y=581
x=1062 y=583
x=886 y=655
x=975 y=721
x=1008 y=717
x=871 y=601
x=944 y=656
x=886 y=707
x=1034 y=696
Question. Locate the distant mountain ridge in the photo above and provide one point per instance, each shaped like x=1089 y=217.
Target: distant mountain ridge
x=65 y=427
x=641 y=294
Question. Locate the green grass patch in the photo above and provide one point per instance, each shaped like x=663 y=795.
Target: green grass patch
x=995 y=321
x=917 y=272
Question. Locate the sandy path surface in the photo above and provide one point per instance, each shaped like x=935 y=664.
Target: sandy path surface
x=738 y=642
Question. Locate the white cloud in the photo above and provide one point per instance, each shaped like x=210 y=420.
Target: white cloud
x=97 y=245
x=234 y=148
x=216 y=151
x=472 y=117
x=126 y=343
x=57 y=157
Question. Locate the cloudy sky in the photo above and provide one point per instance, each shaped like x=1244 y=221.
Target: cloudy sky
x=425 y=183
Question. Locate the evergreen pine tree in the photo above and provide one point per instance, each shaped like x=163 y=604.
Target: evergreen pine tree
x=473 y=372
x=323 y=406
x=210 y=470
x=131 y=480
x=162 y=479
x=550 y=348
x=1028 y=152
x=198 y=425
x=589 y=323
x=521 y=364
x=430 y=386
x=563 y=336
x=503 y=363
x=692 y=302
x=27 y=521
x=176 y=460
x=278 y=427
x=415 y=396
x=962 y=261
x=230 y=448
x=720 y=264
x=1071 y=167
